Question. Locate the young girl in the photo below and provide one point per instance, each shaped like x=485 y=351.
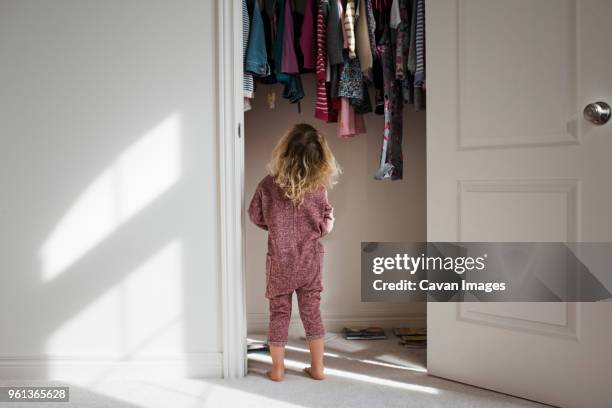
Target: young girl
x=291 y=204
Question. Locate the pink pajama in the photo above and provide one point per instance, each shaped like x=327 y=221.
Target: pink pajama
x=295 y=255
x=280 y=315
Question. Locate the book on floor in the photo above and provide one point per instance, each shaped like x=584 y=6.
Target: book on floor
x=367 y=333
x=413 y=345
x=410 y=331
x=413 y=338
x=256 y=346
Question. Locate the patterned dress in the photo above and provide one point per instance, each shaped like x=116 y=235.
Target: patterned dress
x=391 y=160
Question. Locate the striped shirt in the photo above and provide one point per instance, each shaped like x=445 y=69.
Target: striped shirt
x=419 y=75
x=322 y=107
x=248 y=84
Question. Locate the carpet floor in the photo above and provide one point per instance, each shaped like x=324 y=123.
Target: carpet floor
x=375 y=373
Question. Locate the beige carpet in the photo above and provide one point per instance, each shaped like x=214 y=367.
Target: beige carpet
x=369 y=374
x=374 y=373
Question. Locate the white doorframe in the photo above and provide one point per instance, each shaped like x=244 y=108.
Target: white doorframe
x=231 y=186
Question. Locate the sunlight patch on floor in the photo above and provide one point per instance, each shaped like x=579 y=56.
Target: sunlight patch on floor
x=400 y=366
x=305 y=350
x=296 y=365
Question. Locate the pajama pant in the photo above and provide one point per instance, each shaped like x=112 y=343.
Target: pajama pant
x=280 y=315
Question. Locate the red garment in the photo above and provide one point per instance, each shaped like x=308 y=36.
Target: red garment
x=322 y=108
x=295 y=254
x=321 y=44
x=308 y=37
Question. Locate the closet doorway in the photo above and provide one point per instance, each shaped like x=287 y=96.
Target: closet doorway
x=365 y=210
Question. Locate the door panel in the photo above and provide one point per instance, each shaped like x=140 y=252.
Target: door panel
x=503 y=42
x=510 y=158
x=547 y=207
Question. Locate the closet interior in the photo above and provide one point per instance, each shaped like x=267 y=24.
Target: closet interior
x=354 y=69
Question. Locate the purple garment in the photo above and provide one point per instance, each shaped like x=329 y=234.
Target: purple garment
x=295 y=253
x=308 y=37
x=289 y=63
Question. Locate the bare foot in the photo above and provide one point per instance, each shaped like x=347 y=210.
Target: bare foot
x=276 y=374
x=315 y=374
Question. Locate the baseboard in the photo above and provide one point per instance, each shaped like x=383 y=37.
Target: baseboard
x=334 y=322
x=111 y=366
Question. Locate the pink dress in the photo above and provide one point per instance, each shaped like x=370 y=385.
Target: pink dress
x=349 y=123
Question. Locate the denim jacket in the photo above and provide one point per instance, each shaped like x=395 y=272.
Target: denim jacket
x=257 y=57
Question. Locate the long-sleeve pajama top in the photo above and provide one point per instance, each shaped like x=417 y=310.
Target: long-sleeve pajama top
x=295 y=253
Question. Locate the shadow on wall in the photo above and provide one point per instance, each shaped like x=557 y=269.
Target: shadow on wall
x=112 y=274
x=109 y=227
x=129 y=280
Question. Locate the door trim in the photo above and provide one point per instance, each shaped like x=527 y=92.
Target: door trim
x=231 y=187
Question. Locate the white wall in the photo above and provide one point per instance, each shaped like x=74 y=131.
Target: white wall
x=365 y=209
x=108 y=188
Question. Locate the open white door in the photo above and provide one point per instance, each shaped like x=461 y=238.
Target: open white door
x=511 y=158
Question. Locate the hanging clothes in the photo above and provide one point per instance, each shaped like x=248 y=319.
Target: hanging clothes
x=349 y=123
x=278 y=42
x=395 y=19
x=349 y=44
x=416 y=21
x=287 y=71
x=351 y=79
x=371 y=21
x=419 y=74
x=294 y=90
x=345 y=42
x=268 y=16
x=323 y=106
x=362 y=39
x=308 y=36
x=391 y=161
x=289 y=63
x=257 y=55
x=402 y=37
x=298 y=19
x=380 y=17
x=402 y=73
x=412 y=49
x=248 y=85
x=349 y=27
x=362 y=105
x=335 y=38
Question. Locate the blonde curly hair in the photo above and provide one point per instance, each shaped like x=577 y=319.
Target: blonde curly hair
x=302 y=161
